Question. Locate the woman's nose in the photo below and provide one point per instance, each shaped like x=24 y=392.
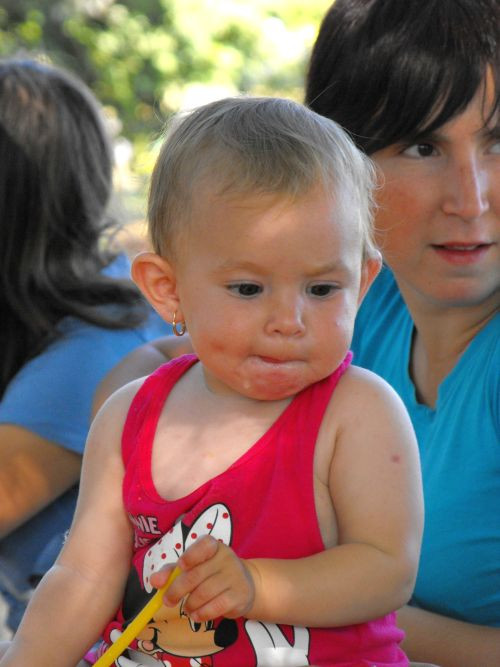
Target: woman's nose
x=466 y=188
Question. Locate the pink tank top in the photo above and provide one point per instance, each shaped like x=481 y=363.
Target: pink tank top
x=262 y=506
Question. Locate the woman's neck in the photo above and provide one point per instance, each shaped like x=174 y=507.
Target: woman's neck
x=440 y=338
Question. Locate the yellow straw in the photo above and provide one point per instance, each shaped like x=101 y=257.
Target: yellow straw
x=139 y=622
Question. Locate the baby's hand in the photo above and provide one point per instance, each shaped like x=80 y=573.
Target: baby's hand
x=214 y=581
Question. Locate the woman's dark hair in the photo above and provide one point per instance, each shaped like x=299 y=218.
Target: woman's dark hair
x=394 y=70
x=55 y=183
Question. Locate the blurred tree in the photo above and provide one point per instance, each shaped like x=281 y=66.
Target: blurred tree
x=147 y=58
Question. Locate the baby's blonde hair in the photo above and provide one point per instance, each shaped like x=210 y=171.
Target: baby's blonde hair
x=255 y=145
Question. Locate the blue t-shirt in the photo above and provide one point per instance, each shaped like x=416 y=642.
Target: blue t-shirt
x=459 y=441
x=52 y=396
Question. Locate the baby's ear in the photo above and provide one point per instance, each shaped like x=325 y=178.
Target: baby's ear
x=155 y=277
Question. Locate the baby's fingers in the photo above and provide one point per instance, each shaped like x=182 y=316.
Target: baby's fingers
x=200 y=551
x=160 y=578
x=223 y=604
x=220 y=595
x=190 y=570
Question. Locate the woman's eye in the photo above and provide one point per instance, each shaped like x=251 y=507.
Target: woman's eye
x=420 y=150
x=322 y=289
x=245 y=289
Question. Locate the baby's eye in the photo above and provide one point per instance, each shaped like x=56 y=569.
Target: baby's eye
x=422 y=149
x=245 y=289
x=322 y=290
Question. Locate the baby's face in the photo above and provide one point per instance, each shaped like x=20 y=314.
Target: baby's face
x=269 y=288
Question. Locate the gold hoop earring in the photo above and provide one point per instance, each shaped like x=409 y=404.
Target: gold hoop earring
x=178 y=328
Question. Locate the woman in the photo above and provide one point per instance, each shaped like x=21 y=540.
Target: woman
x=417 y=86
x=68 y=309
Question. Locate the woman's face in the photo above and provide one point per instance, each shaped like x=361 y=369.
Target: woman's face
x=438 y=224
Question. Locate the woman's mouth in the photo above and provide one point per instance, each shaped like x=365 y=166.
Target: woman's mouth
x=461 y=253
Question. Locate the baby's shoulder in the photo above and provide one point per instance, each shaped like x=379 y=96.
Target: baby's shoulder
x=365 y=422
x=112 y=414
x=119 y=401
x=363 y=398
x=365 y=383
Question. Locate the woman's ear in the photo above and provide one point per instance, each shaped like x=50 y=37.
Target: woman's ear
x=369 y=271
x=156 y=279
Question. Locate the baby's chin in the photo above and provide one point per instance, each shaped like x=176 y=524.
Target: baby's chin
x=265 y=379
x=277 y=381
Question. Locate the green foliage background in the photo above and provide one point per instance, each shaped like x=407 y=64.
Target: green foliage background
x=147 y=58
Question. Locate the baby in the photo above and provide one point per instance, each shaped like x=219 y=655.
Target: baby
x=281 y=480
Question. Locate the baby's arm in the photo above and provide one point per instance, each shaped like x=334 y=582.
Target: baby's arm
x=374 y=480
x=83 y=589
x=375 y=487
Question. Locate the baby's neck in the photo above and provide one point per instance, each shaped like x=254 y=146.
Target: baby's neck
x=218 y=396
x=201 y=433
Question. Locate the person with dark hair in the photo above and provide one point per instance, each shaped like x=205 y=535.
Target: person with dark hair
x=416 y=84
x=69 y=310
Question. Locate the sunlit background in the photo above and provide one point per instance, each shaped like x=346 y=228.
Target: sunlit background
x=145 y=59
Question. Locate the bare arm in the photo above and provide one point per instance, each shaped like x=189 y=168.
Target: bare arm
x=138 y=363
x=447 y=641
x=80 y=593
x=33 y=473
x=375 y=486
